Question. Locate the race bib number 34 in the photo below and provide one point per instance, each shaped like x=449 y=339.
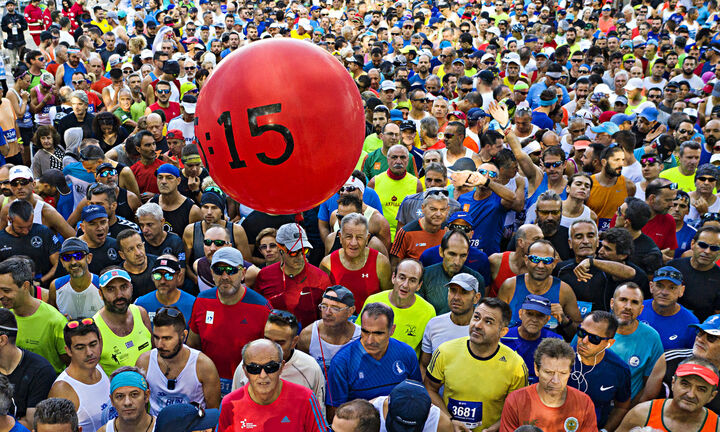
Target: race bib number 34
x=467 y=412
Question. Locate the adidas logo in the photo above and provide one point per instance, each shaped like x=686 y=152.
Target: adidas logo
x=502 y=359
x=285 y=420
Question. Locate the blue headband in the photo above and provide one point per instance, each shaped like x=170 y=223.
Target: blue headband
x=168 y=169
x=128 y=379
x=549 y=102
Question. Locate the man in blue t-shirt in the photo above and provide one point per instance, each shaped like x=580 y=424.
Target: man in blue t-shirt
x=166 y=277
x=487 y=205
x=683 y=232
x=524 y=338
x=354 y=186
x=664 y=314
x=600 y=373
x=372 y=365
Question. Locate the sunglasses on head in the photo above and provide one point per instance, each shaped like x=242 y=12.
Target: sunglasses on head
x=20 y=182
x=703 y=245
x=286 y=316
x=669 y=273
x=671 y=186
x=77 y=323
x=491 y=174
x=348 y=189
x=157 y=276
x=269 y=368
x=218 y=243
x=170 y=311
x=77 y=256
x=553 y=164
x=215 y=189
x=464 y=228
x=219 y=269
x=592 y=338
x=537 y=260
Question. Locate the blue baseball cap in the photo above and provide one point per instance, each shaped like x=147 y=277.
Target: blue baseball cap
x=92 y=212
x=475 y=114
x=460 y=215
x=109 y=275
x=186 y=418
x=408 y=407
x=668 y=273
x=537 y=303
x=619 y=119
x=396 y=115
x=649 y=113
x=710 y=325
x=609 y=128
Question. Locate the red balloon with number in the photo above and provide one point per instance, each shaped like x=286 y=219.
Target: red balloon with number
x=280 y=125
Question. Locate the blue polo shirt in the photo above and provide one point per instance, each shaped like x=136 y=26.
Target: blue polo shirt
x=151 y=304
x=355 y=374
x=673 y=330
x=488 y=219
x=605 y=382
x=526 y=348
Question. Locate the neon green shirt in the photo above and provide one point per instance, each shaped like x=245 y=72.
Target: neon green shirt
x=42 y=333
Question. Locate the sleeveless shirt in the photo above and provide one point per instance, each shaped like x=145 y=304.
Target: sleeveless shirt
x=605 y=200
x=323 y=352
x=521 y=291
x=655 y=418
x=199 y=236
x=504 y=273
x=78 y=304
x=94 y=399
x=362 y=283
x=123 y=351
x=187 y=388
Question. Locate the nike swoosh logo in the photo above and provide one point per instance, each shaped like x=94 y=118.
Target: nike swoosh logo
x=603 y=388
x=304 y=293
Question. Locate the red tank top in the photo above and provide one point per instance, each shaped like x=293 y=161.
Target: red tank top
x=655 y=418
x=362 y=283
x=503 y=274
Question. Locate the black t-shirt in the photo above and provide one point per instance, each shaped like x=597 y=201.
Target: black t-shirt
x=641 y=278
x=120 y=225
x=71 y=121
x=142 y=282
x=172 y=244
x=702 y=288
x=104 y=256
x=176 y=220
x=672 y=361
x=38 y=245
x=647 y=255
x=33 y=377
x=593 y=291
x=185 y=190
x=559 y=241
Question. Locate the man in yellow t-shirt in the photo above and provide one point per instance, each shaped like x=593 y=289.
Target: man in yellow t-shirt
x=412 y=312
x=684 y=173
x=478 y=372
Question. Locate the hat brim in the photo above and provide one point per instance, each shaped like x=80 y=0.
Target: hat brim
x=667 y=278
x=208 y=421
x=188 y=107
x=707 y=329
x=166 y=268
x=546 y=311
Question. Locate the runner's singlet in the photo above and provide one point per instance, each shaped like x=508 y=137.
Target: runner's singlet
x=504 y=273
x=94 y=399
x=323 y=352
x=123 y=351
x=655 y=418
x=362 y=282
x=187 y=388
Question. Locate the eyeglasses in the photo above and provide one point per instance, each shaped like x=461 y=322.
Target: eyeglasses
x=537 y=260
x=168 y=276
x=649 y=161
x=268 y=246
x=78 y=82
x=218 y=243
x=334 y=309
x=108 y=173
x=77 y=256
x=593 y=338
x=553 y=164
x=703 y=245
x=457 y=227
x=293 y=254
x=269 y=368
x=77 y=323
x=420 y=100
x=127 y=71
x=710 y=338
x=167 y=91
x=20 y=182
x=671 y=186
x=707 y=179
x=491 y=174
x=348 y=189
x=219 y=269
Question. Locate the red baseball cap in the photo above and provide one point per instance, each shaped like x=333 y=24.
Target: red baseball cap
x=175 y=134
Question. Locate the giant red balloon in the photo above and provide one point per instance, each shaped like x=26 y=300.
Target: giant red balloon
x=281 y=125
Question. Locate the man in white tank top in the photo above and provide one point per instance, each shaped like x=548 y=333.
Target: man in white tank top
x=177 y=373
x=84 y=382
x=574 y=208
x=324 y=338
x=76 y=294
x=409 y=405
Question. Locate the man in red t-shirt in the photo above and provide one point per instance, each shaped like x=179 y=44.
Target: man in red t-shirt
x=267 y=403
x=162 y=95
x=550 y=404
x=659 y=194
x=145 y=168
x=227 y=317
x=293 y=284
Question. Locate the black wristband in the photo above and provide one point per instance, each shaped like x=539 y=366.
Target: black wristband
x=487 y=183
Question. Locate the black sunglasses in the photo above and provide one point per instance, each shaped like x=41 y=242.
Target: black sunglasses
x=256 y=369
x=593 y=338
x=218 y=243
x=711 y=216
x=464 y=228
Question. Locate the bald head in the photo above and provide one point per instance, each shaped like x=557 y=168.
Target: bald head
x=264 y=349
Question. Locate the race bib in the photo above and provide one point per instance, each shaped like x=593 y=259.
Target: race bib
x=10 y=135
x=603 y=224
x=225 y=386
x=467 y=412
x=585 y=308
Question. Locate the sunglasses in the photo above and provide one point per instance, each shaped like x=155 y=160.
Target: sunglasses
x=449 y=136
x=268 y=246
x=438 y=192
x=420 y=100
x=77 y=323
x=522 y=92
x=348 y=189
x=167 y=276
x=293 y=254
x=669 y=273
x=491 y=174
x=218 y=243
x=190 y=68
x=77 y=256
x=163 y=91
x=711 y=216
x=78 y=82
x=464 y=228
x=686 y=131
x=649 y=161
x=20 y=182
x=593 y=338
x=269 y=368
x=707 y=179
x=219 y=269
x=576 y=60
x=537 y=260
x=170 y=311
x=703 y=245
x=710 y=338
x=553 y=164
x=671 y=186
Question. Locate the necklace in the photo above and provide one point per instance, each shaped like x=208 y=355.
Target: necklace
x=152 y=420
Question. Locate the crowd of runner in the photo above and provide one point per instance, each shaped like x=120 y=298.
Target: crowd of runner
x=529 y=241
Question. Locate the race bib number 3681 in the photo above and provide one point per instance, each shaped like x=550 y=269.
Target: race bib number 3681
x=467 y=412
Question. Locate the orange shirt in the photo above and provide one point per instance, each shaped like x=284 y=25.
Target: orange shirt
x=471 y=144
x=523 y=407
x=411 y=240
